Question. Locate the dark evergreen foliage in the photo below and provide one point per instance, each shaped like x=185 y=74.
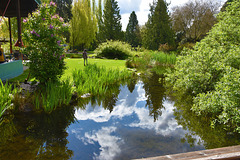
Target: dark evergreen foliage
x=132 y=35
x=112 y=27
x=158 y=27
x=64 y=9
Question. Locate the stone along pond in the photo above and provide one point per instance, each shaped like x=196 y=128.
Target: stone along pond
x=135 y=120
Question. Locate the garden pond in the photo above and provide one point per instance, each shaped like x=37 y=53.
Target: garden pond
x=136 y=119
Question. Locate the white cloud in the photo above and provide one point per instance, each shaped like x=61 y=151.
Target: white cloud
x=110 y=145
x=165 y=125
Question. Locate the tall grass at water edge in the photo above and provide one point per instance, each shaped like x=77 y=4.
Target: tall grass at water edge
x=151 y=59
x=53 y=95
x=6 y=96
x=95 y=80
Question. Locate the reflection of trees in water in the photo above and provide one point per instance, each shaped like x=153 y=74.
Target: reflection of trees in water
x=201 y=126
x=155 y=93
x=40 y=136
x=107 y=100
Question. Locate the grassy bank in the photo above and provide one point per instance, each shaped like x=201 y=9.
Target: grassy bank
x=77 y=63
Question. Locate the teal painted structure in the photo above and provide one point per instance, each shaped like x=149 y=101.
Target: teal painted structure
x=11 y=69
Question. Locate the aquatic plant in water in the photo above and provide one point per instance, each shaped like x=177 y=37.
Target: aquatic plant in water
x=54 y=95
x=6 y=96
x=95 y=80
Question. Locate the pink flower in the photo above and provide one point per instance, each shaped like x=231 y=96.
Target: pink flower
x=43 y=19
x=52 y=35
x=61 y=57
x=50 y=27
x=24 y=20
x=59 y=42
x=52 y=3
x=61 y=19
x=33 y=32
x=55 y=16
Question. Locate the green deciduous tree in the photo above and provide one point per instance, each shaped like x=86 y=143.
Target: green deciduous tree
x=112 y=27
x=158 y=28
x=194 y=19
x=210 y=72
x=132 y=35
x=83 y=24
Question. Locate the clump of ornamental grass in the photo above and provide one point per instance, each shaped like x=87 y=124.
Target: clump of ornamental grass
x=96 y=80
x=151 y=60
x=54 y=95
x=6 y=96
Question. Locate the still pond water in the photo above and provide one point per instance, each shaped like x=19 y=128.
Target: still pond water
x=135 y=120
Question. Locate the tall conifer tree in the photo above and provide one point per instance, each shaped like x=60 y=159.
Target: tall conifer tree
x=132 y=35
x=158 y=27
x=112 y=27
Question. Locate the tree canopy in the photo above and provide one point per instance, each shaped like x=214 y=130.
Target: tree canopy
x=83 y=24
x=210 y=72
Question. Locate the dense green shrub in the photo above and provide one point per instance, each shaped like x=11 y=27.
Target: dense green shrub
x=210 y=71
x=114 y=49
x=43 y=39
x=72 y=55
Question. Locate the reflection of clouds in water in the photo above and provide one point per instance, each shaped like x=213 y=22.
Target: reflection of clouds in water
x=109 y=143
x=124 y=107
x=131 y=103
x=165 y=125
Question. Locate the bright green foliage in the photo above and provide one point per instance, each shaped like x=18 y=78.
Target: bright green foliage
x=158 y=28
x=210 y=72
x=96 y=80
x=42 y=37
x=53 y=95
x=153 y=60
x=83 y=24
x=112 y=27
x=132 y=35
x=114 y=49
x=6 y=96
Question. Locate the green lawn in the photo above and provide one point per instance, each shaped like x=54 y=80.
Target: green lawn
x=76 y=63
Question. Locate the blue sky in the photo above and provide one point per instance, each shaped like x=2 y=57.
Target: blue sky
x=141 y=8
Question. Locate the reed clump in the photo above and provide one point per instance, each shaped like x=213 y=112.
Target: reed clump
x=152 y=60
x=53 y=95
x=7 y=93
x=95 y=80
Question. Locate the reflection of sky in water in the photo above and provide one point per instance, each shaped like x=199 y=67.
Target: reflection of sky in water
x=127 y=132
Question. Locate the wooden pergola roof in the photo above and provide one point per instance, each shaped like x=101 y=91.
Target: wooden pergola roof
x=10 y=7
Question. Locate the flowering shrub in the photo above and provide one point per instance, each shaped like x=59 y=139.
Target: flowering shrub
x=42 y=39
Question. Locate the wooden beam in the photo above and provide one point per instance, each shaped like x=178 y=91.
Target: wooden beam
x=19 y=24
x=10 y=33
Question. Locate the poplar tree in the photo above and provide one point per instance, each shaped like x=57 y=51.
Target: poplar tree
x=158 y=27
x=112 y=27
x=83 y=24
x=132 y=35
